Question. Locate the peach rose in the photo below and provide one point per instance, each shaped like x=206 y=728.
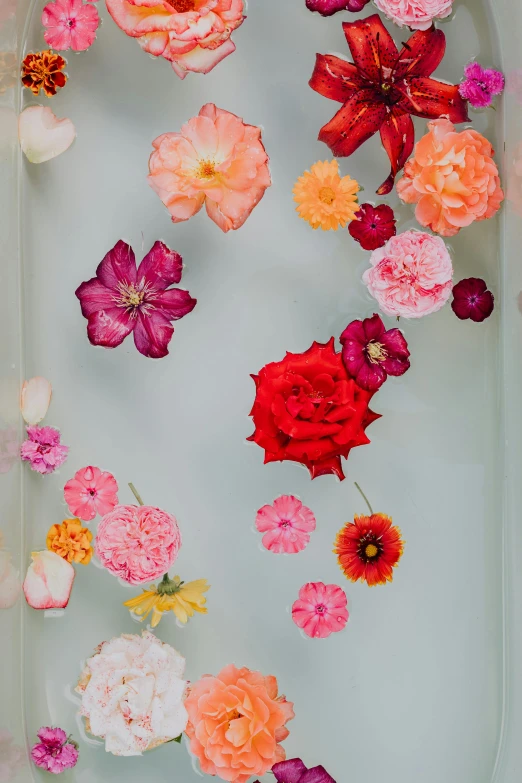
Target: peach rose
x=194 y=35
x=452 y=178
x=236 y=722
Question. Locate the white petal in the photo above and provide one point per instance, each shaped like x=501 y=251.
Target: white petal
x=35 y=399
x=48 y=582
x=42 y=135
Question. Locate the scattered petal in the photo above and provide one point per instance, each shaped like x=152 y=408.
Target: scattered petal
x=42 y=135
x=35 y=399
x=48 y=582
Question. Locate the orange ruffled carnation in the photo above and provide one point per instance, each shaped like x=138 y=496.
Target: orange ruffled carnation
x=43 y=71
x=325 y=199
x=71 y=541
x=452 y=178
x=236 y=722
x=369 y=548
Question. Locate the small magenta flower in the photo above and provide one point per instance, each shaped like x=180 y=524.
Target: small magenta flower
x=370 y=353
x=330 y=7
x=471 y=299
x=43 y=449
x=480 y=85
x=373 y=226
x=55 y=752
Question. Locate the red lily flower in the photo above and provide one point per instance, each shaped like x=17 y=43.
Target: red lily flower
x=382 y=88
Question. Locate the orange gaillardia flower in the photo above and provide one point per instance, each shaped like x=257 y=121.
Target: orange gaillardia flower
x=71 y=541
x=324 y=198
x=43 y=71
x=369 y=548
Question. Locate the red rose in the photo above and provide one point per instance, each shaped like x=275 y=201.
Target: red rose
x=307 y=409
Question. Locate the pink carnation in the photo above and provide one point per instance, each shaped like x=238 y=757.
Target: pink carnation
x=411 y=275
x=137 y=543
x=417 y=14
x=55 y=752
x=43 y=449
x=287 y=525
x=70 y=24
x=480 y=85
x=320 y=610
x=91 y=492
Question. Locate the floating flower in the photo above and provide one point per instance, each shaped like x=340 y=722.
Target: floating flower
x=373 y=226
x=70 y=24
x=42 y=135
x=121 y=300
x=35 y=399
x=171 y=595
x=43 y=449
x=71 y=541
x=382 y=88
x=91 y=492
x=132 y=692
x=471 y=299
x=480 y=85
x=320 y=610
x=308 y=410
x=411 y=276
x=287 y=525
x=137 y=543
x=370 y=353
x=48 y=582
x=192 y=35
x=216 y=160
x=55 y=752
x=294 y=771
x=330 y=7
x=452 y=178
x=325 y=199
x=417 y=14
x=43 y=71
x=236 y=722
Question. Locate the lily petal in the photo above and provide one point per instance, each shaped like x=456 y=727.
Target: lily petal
x=373 y=49
x=398 y=139
x=35 y=399
x=422 y=54
x=42 y=135
x=335 y=78
x=354 y=123
x=432 y=99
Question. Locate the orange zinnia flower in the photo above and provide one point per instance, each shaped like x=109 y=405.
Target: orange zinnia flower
x=71 y=541
x=324 y=198
x=369 y=548
x=43 y=71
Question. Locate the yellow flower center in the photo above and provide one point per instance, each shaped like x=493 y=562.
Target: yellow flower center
x=182 y=6
x=327 y=195
x=206 y=169
x=371 y=550
x=376 y=352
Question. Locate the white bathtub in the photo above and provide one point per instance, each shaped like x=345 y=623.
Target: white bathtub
x=425 y=684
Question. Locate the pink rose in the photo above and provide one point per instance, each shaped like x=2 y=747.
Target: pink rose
x=417 y=14
x=411 y=275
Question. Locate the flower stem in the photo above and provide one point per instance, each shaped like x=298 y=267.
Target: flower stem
x=364 y=496
x=136 y=494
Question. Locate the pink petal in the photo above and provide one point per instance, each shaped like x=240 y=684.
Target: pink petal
x=152 y=334
x=35 y=399
x=94 y=296
x=42 y=135
x=118 y=265
x=49 y=581
x=161 y=267
x=110 y=327
x=287 y=506
x=267 y=519
x=174 y=303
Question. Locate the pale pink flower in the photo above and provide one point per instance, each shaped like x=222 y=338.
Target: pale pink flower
x=55 y=752
x=70 y=24
x=43 y=449
x=417 y=14
x=216 y=160
x=137 y=543
x=411 y=275
x=320 y=609
x=35 y=399
x=91 y=492
x=287 y=525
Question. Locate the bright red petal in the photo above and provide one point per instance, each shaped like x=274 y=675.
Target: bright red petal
x=422 y=54
x=359 y=118
x=335 y=78
x=432 y=99
x=398 y=139
x=372 y=47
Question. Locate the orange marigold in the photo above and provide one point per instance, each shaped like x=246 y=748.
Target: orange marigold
x=43 y=71
x=71 y=541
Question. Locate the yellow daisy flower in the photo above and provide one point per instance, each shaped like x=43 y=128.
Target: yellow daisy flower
x=171 y=595
x=325 y=199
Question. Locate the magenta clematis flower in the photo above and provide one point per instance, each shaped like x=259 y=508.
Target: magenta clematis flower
x=295 y=771
x=370 y=353
x=55 y=752
x=121 y=299
x=471 y=299
x=480 y=85
x=330 y=7
x=43 y=449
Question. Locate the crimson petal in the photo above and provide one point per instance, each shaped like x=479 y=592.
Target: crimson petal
x=174 y=303
x=422 y=54
x=289 y=771
x=398 y=139
x=119 y=264
x=397 y=361
x=316 y=775
x=372 y=47
x=93 y=296
x=152 y=334
x=354 y=123
x=432 y=99
x=335 y=78
x=110 y=327
x=161 y=266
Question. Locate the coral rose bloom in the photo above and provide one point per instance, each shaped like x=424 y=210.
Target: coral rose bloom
x=452 y=178
x=215 y=160
x=236 y=722
x=194 y=35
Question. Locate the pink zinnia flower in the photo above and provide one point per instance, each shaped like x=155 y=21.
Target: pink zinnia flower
x=55 y=752
x=330 y=7
x=320 y=609
x=121 y=300
x=91 y=492
x=373 y=226
x=471 y=299
x=480 y=85
x=287 y=525
x=137 y=543
x=370 y=353
x=43 y=449
x=70 y=24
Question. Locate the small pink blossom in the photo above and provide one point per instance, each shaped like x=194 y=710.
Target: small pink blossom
x=320 y=609
x=480 y=85
x=43 y=449
x=91 y=492
x=70 y=24
x=287 y=525
x=55 y=752
x=416 y=14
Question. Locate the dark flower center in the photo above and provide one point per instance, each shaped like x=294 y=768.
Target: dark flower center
x=370 y=548
x=71 y=23
x=320 y=609
x=376 y=352
x=182 y=6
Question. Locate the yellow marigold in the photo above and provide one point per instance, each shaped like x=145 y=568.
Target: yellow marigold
x=171 y=595
x=326 y=200
x=71 y=541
